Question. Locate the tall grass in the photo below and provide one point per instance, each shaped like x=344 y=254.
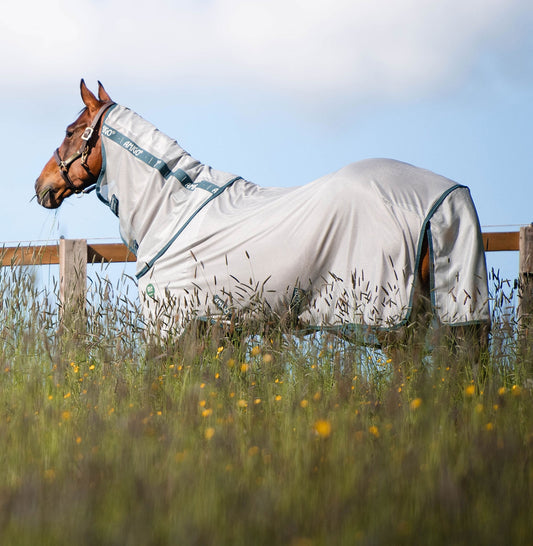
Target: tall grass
x=109 y=437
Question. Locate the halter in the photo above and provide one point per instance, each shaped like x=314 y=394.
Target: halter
x=82 y=153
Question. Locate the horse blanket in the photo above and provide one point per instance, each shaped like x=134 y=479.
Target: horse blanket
x=341 y=251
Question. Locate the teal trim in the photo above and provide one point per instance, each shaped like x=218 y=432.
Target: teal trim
x=135 y=150
x=104 y=161
x=423 y=231
x=149 y=264
x=431 y=269
x=183 y=177
x=481 y=250
x=156 y=163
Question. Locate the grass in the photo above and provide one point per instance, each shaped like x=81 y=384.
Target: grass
x=108 y=437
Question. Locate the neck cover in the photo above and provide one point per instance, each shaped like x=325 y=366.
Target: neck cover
x=152 y=185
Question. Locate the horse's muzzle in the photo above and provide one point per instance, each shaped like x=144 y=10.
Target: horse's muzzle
x=47 y=197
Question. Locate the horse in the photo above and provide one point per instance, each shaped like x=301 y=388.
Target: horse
x=375 y=247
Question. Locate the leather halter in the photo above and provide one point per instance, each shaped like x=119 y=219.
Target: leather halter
x=82 y=153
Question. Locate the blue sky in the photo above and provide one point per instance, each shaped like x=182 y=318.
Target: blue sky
x=279 y=92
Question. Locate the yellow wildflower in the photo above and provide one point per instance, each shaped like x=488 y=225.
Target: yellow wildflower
x=256 y=350
x=416 y=403
x=209 y=433
x=470 y=390
x=322 y=428
x=374 y=431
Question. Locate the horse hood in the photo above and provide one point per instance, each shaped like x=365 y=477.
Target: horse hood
x=152 y=185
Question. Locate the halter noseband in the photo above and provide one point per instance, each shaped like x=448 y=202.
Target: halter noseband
x=82 y=153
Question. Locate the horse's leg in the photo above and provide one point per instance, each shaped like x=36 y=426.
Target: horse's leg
x=406 y=346
x=465 y=342
x=467 y=345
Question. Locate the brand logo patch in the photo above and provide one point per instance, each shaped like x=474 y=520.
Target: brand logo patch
x=107 y=131
x=150 y=290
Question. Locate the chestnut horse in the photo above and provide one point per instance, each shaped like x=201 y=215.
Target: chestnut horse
x=77 y=164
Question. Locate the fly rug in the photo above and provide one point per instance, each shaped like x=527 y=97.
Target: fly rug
x=341 y=253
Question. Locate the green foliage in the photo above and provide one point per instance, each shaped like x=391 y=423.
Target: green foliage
x=109 y=437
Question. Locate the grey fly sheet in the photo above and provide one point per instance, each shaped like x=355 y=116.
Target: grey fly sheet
x=342 y=251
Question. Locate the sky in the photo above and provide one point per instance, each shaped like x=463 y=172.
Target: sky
x=279 y=92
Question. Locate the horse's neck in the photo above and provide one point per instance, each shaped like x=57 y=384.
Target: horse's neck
x=148 y=179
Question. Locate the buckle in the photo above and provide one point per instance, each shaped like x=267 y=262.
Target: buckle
x=87 y=134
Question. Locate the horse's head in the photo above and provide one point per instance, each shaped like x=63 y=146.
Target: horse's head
x=76 y=164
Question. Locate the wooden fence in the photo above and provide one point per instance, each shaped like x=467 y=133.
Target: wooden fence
x=73 y=255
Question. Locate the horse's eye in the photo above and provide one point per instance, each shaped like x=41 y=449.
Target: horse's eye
x=69 y=134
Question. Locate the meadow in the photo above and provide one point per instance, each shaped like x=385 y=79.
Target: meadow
x=109 y=436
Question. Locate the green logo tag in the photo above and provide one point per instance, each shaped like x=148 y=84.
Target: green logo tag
x=150 y=290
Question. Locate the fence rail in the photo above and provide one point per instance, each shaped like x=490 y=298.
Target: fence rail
x=73 y=255
x=49 y=254
x=119 y=253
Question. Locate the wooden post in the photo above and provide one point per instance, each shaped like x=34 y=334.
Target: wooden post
x=72 y=280
x=525 y=277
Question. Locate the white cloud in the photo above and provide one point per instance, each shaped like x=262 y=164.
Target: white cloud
x=313 y=50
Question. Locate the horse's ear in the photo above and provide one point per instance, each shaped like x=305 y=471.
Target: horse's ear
x=102 y=93
x=88 y=98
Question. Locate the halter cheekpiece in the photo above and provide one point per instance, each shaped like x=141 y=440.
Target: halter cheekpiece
x=82 y=153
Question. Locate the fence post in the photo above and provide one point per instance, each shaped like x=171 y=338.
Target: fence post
x=525 y=276
x=72 y=280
